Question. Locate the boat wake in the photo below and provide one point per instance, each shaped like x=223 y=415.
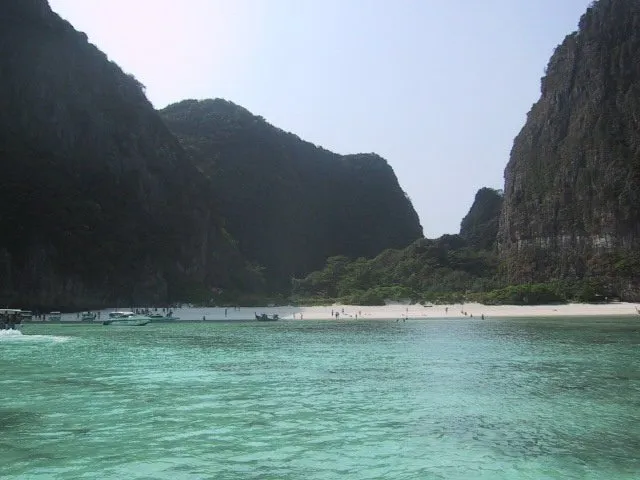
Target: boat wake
x=17 y=336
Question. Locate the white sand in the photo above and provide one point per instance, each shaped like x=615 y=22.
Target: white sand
x=456 y=311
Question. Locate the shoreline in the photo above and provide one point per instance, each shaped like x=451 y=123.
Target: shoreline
x=396 y=311
x=470 y=310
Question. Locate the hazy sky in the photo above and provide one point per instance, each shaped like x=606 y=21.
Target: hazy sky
x=438 y=87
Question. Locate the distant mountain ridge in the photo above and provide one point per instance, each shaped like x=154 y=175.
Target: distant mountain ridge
x=289 y=203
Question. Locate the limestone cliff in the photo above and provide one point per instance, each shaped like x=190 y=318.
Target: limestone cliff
x=480 y=226
x=572 y=185
x=289 y=203
x=98 y=202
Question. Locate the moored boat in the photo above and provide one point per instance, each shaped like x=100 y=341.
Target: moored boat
x=266 y=318
x=158 y=317
x=10 y=318
x=127 y=319
x=88 y=316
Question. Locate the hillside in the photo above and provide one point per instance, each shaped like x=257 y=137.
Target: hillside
x=288 y=203
x=99 y=204
x=480 y=226
x=442 y=270
x=572 y=185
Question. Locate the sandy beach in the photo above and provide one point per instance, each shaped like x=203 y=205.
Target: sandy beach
x=397 y=311
x=466 y=310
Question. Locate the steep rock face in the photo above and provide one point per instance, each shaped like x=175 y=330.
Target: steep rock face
x=98 y=201
x=289 y=203
x=572 y=185
x=480 y=226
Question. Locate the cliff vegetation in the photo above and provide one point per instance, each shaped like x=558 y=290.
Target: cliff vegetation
x=290 y=204
x=99 y=204
x=572 y=185
x=443 y=270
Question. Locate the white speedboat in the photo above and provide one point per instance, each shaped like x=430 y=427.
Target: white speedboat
x=128 y=319
x=55 y=316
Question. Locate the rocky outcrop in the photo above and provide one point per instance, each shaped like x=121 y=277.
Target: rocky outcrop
x=290 y=204
x=572 y=185
x=480 y=226
x=98 y=201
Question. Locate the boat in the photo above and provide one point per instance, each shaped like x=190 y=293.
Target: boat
x=88 y=316
x=128 y=319
x=266 y=318
x=11 y=318
x=55 y=316
x=158 y=317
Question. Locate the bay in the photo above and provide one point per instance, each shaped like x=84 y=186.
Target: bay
x=424 y=399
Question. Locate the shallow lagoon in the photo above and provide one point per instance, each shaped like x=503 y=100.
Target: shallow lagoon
x=422 y=399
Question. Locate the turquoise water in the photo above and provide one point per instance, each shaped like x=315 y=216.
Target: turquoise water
x=425 y=399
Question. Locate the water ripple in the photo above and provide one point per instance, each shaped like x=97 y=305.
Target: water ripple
x=317 y=400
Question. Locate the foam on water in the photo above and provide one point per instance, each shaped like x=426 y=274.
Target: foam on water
x=18 y=336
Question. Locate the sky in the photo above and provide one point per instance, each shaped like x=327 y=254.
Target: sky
x=439 y=88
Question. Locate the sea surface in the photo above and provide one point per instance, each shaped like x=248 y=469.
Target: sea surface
x=378 y=399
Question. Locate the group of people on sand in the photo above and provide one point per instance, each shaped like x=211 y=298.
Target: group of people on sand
x=470 y=315
x=463 y=312
x=336 y=314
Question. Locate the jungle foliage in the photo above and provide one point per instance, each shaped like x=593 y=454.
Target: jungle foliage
x=438 y=270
